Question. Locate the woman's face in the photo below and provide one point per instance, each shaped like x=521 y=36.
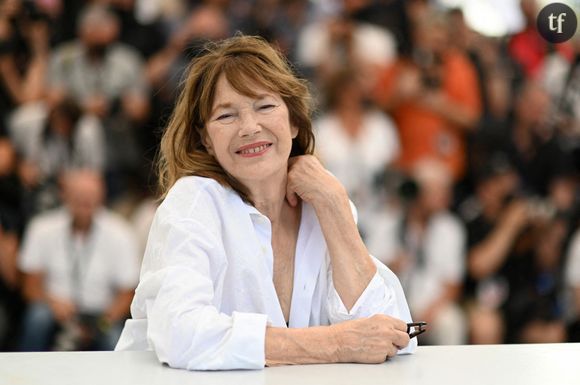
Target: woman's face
x=251 y=138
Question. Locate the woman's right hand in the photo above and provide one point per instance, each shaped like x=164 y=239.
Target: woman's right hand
x=370 y=340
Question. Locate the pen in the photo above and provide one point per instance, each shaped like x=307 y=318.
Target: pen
x=416 y=328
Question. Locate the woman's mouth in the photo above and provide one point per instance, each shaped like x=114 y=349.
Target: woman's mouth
x=256 y=149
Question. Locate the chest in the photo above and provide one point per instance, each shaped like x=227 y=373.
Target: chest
x=284 y=249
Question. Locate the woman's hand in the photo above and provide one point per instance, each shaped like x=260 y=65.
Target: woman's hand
x=311 y=182
x=352 y=267
x=370 y=340
x=365 y=340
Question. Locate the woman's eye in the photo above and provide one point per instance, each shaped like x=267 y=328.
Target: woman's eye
x=266 y=107
x=225 y=117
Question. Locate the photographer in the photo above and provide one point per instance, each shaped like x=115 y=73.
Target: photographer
x=24 y=50
x=515 y=241
x=493 y=225
x=107 y=79
x=80 y=268
x=51 y=138
x=535 y=306
x=433 y=96
x=408 y=239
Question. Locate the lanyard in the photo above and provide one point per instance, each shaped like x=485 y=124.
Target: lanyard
x=416 y=248
x=79 y=253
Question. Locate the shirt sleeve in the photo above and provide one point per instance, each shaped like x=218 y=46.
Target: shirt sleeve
x=33 y=246
x=131 y=64
x=463 y=86
x=90 y=141
x=573 y=262
x=382 y=239
x=126 y=260
x=176 y=293
x=383 y=295
x=56 y=73
x=449 y=256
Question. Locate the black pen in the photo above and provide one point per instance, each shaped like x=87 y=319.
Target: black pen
x=416 y=328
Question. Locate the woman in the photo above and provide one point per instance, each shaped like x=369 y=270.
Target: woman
x=252 y=254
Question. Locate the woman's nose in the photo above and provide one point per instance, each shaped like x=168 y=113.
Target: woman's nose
x=249 y=125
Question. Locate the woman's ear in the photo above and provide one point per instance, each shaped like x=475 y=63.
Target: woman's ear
x=294 y=131
x=207 y=143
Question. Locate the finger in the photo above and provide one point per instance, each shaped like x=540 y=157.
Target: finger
x=292 y=199
x=291 y=196
x=399 y=325
x=401 y=339
x=392 y=352
x=292 y=160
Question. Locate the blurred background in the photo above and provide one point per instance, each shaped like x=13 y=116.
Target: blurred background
x=453 y=125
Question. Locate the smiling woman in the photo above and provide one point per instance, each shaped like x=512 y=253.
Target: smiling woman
x=241 y=63
x=251 y=137
x=254 y=257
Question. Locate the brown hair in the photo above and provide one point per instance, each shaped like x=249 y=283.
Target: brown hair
x=246 y=61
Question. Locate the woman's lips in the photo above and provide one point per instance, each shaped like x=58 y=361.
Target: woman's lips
x=253 y=150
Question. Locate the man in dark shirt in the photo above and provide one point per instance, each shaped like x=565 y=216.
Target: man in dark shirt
x=494 y=221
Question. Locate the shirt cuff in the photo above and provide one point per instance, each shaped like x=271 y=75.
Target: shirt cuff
x=375 y=299
x=248 y=340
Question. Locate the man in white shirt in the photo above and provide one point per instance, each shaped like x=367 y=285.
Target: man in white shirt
x=81 y=267
x=356 y=144
x=336 y=42
x=424 y=244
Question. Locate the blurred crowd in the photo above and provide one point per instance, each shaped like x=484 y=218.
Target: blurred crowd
x=460 y=151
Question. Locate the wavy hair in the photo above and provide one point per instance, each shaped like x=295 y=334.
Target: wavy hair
x=246 y=61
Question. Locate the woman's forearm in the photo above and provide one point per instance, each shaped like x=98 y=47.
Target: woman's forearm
x=352 y=267
x=364 y=340
x=314 y=345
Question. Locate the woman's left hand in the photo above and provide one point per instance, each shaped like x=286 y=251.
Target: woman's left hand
x=311 y=182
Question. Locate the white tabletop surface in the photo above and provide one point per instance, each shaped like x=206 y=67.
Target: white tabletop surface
x=550 y=364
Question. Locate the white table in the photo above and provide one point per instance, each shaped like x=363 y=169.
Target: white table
x=550 y=364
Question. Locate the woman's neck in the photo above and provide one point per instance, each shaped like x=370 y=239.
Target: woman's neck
x=269 y=196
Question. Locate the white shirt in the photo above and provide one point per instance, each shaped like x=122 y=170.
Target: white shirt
x=27 y=125
x=356 y=162
x=206 y=291
x=572 y=275
x=443 y=246
x=120 y=72
x=107 y=260
x=573 y=262
x=372 y=44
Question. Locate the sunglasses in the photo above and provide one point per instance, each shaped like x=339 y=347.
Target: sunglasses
x=416 y=328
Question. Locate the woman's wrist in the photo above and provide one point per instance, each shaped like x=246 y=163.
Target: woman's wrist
x=312 y=345
x=336 y=344
x=332 y=199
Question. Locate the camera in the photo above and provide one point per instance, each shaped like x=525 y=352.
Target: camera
x=430 y=67
x=540 y=208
